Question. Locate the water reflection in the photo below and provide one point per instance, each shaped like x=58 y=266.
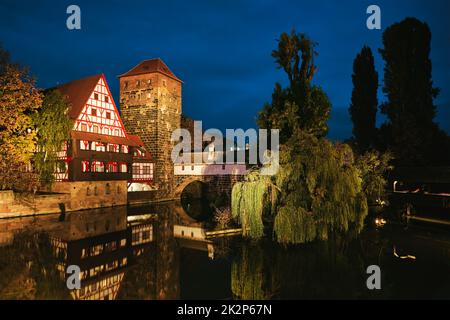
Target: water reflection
x=160 y=252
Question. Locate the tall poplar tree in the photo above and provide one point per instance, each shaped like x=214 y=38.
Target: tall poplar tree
x=364 y=103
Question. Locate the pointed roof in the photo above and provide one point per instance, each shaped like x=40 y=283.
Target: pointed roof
x=78 y=93
x=151 y=66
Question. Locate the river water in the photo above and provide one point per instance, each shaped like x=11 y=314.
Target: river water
x=159 y=252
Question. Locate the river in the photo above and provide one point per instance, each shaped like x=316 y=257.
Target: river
x=159 y=252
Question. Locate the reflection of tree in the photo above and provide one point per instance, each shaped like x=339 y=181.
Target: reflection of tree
x=251 y=277
x=327 y=269
x=29 y=271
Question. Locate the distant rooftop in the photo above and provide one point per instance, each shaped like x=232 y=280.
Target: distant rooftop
x=150 y=66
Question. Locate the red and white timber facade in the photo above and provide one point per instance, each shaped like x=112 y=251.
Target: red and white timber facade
x=100 y=149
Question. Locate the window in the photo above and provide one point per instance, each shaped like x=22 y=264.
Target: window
x=149 y=82
x=113 y=147
x=99 y=147
x=106 y=99
x=125 y=85
x=111 y=167
x=96 y=96
x=98 y=166
x=164 y=83
x=146 y=169
x=138 y=83
x=94 y=112
x=116 y=132
x=88 y=191
x=123 y=168
x=105 y=131
x=108 y=115
x=85 y=166
x=84 y=127
x=95 y=129
x=124 y=149
x=108 y=189
x=84 y=145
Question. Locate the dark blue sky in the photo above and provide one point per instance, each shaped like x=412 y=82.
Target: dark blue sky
x=220 y=49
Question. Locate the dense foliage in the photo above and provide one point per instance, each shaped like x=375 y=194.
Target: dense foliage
x=19 y=99
x=301 y=105
x=52 y=125
x=30 y=121
x=317 y=192
x=410 y=131
x=364 y=103
x=373 y=167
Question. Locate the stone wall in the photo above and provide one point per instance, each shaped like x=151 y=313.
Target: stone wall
x=93 y=194
x=74 y=196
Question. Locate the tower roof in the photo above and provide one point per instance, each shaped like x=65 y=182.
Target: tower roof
x=78 y=92
x=151 y=66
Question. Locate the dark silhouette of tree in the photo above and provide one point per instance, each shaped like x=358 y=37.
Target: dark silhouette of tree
x=410 y=131
x=364 y=103
x=301 y=105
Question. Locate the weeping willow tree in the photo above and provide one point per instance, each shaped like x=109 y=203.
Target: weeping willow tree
x=321 y=188
x=252 y=202
x=316 y=193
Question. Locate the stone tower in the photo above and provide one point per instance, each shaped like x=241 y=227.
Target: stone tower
x=150 y=103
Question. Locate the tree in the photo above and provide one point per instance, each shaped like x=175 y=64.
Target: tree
x=410 y=132
x=364 y=103
x=52 y=125
x=19 y=99
x=301 y=105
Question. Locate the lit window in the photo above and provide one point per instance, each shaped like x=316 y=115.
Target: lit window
x=85 y=166
x=138 y=83
x=123 y=167
x=84 y=145
x=98 y=166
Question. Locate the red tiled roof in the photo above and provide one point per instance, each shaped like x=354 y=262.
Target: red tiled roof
x=78 y=92
x=90 y=136
x=138 y=141
x=151 y=66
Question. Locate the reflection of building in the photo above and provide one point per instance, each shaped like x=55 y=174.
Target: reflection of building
x=102 y=245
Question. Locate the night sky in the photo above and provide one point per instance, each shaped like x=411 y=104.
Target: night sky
x=220 y=49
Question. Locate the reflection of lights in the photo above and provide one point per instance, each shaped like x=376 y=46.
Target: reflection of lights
x=379 y=222
x=380 y=202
